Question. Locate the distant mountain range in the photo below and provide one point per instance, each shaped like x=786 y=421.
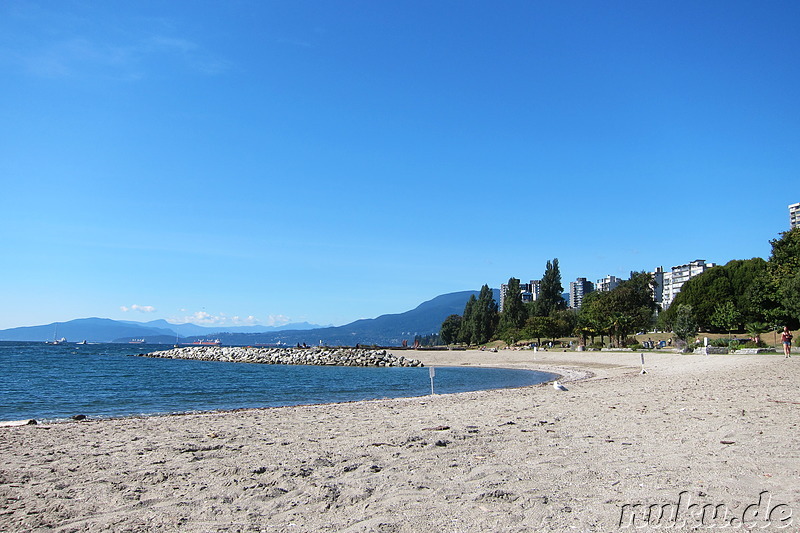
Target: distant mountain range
x=386 y=330
x=107 y=330
x=188 y=330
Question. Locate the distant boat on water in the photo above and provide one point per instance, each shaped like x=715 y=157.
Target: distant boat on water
x=136 y=341
x=82 y=342
x=207 y=342
x=55 y=341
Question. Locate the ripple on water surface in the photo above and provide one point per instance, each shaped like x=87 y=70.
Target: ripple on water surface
x=102 y=380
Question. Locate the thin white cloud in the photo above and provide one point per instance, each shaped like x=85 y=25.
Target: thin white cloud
x=139 y=308
x=62 y=43
x=278 y=320
x=244 y=321
x=202 y=318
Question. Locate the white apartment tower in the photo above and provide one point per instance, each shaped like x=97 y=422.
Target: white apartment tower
x=671 y=282
x=607 y=284
x=794 y=216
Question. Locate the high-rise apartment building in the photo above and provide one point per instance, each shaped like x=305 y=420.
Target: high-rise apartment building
x=577 y=290
x=671 y=282
x=607 y=284
x=794 y=216
x=528 y=292
x=659 y=279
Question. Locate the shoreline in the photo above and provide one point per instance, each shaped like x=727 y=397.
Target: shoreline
x=260 y=357
x=522 y=459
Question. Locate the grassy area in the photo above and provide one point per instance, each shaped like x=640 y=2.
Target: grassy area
x=771 y=339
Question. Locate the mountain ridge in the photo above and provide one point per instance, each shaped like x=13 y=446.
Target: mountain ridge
x=388 y=329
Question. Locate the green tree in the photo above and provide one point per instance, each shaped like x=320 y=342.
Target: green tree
x=511 y=335
x=789 y=294
x=537 y=327
x=762 y=301
x=466 y=331
x=726 y=317
x=514 y=311
x=783 y=270
x=592 y=320
x=551 y=328
x=626 y=309
x=550 y=291
x=684 y=323
x=566 y=321
x=784 y=262
x=484 y=317
x=449 y=332
x=741 y=282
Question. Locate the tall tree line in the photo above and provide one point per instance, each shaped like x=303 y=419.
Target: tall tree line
x=481 y=321
x=753 y=295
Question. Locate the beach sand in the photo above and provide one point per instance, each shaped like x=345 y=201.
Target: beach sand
x=694 y=430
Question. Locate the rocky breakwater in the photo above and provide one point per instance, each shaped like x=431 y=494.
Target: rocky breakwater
x=288 y=356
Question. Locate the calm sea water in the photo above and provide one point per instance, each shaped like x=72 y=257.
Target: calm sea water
x=102 y=380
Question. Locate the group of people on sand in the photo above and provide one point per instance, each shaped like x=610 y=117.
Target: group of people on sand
x=786 y=339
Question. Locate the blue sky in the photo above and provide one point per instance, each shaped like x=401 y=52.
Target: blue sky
x=283 y=161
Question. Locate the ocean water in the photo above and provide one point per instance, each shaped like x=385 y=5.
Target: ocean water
x=103 y=380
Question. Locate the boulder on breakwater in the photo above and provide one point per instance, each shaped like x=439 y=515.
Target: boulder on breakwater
x=288 y=356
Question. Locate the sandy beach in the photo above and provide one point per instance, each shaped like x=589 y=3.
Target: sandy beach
x=694 y=435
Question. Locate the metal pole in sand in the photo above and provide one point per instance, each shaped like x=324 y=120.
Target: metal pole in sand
x=431 y=372
x=643 y=370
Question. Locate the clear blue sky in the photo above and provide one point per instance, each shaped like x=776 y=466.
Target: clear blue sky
x=328 y=161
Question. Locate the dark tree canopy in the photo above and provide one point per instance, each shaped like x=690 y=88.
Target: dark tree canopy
x=784 y=262
x=620 y=312
x=514 y=312
x=734 y=283
x=468 y=321
x=450 y=329
x=550 y=291
x=783 y=270
x=484 y=316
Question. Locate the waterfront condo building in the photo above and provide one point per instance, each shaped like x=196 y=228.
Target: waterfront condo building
x=607 y=284
x=670 y=283
x=577 y=290
x=794 y=216
x=658 y=290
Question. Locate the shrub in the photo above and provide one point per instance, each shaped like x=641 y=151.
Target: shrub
x=630 y=341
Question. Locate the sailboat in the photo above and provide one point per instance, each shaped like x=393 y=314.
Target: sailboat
x=56 y=341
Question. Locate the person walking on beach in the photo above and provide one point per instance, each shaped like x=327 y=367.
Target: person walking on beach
x=786 y=339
